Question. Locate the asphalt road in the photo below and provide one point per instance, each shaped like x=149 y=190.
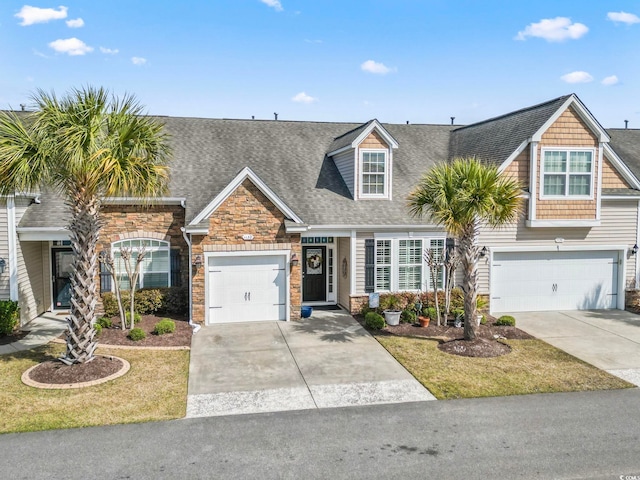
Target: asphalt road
x=576 y=435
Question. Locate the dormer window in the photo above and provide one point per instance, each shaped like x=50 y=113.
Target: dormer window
x=374 y=174
x=567 y=172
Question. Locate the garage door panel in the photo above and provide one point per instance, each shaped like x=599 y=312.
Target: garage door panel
x=543 y=281
x=246 y=288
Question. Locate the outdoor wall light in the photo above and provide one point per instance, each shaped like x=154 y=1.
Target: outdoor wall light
x=483 y=252
x=197 y=261
x=634 y=249
x=294 y=260
x=2 y=265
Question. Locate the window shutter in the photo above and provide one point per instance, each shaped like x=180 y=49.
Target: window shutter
x=176 y=277
x=105 y=279
x=369 y=265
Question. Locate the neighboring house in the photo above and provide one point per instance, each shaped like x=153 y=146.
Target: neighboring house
x=264 y=216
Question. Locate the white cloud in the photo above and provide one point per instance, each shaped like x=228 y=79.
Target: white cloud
x=302 y=97
x=375 y=67
x=138 y=60
x=75 y=23
x=623 y=17
x=610 y=80
x=556 y=29
x=312 y=41
x=71 y=46
x=275 y=4
x=31 y=15
x=577 y=77
x=109 y=51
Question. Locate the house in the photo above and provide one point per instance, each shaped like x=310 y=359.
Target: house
x=265 y=216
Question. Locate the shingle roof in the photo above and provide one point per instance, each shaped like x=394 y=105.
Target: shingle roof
x=626 y=143
x=347 y=138
x=290 y=157
x=494 y=140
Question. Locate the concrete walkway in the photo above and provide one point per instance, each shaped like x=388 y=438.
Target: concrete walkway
x=41 y=331
x=607 y=339
x=325 y=361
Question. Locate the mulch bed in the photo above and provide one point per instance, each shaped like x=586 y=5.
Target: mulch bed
x=451 y=339
x=116 y=336
x=13 y=337
x=56 y=372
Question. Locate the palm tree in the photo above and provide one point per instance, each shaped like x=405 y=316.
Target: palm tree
x=85 y=146
x=460 y=196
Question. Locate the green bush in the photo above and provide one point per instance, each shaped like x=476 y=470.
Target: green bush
x=483 y=320
x=374 y=320
x=408 y=316
x=98 y=328
x=164 y=326
x=430 y=312
x=136 y=317
x=506 y=320
x=390 y=302
x=9 y=312
x=104 y=322
x=173 y=300
x=137 y=334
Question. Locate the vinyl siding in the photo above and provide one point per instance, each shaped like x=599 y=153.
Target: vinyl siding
x=345 y=162
x=31 y=280
x=618 y=227
x=344 y=252
x=4 y=250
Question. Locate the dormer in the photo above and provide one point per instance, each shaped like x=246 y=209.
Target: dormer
x=364 y=158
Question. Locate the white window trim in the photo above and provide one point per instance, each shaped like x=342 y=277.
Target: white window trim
x=166 y=246
x=395 y=263
x=387 y=172
x=567 y=196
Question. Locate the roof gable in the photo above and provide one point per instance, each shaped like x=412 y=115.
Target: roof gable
x=245 y=173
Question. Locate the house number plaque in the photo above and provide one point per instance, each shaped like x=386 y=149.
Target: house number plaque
x=247 y=236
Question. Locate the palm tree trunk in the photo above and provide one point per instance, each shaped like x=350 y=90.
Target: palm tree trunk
x=84 y=228
x=468 y=250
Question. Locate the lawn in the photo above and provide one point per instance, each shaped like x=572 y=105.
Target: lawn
x=154 y=389
x=533 y=366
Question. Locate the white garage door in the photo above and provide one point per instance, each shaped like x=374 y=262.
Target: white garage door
x=246 y=288
x=540 y=281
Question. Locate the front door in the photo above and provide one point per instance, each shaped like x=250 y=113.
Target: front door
x=314 y=274
x=62 y=260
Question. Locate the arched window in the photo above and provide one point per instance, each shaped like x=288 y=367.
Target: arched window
x=155 y=269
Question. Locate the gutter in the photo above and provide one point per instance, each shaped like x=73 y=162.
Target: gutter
x=195 y=326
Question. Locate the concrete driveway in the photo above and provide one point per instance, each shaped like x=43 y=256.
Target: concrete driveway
x=607 y=339
x=325 y=361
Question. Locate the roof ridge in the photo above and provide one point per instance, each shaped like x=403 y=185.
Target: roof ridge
x=515 y=112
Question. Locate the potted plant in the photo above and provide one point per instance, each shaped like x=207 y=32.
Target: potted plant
x=392 y=310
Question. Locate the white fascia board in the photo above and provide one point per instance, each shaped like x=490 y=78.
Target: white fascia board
x=622 y=168
x=555 y=247
x=340 y=150
x=371 y=228
x=375 y=125
x=584 y=114
x=562 y=223
x=620 y=197
x=245 y=173
x=513 y=156
x=143 y=201
x=297 y=229
x=42 y=234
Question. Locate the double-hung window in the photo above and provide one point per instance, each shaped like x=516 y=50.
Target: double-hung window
x=409 y=264
x=155 y=269
x=373 y=173
x=567 y=172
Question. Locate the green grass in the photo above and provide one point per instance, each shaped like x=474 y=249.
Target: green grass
x=154 y=389
x=533 y=366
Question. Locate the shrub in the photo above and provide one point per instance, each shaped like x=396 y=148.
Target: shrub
x=408 y=316
x=98 y=328
x=137 y=334
x=430 y=312
x=9 y=311
x=506 y=320
x=483 y=320
x=148 y=300
x=374 y=320
x=390 y=302
x=164 y=326
x=175 y=300
x=136 y=317
x=110 y=304
x=104 y=322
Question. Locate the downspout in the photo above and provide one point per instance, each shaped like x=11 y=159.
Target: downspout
x=195 y=326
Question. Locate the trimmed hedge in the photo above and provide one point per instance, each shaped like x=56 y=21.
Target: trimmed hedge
x=9 y=311
x=137 y=334
x=164 y=326
x=172 y=300
x=506 y=320
x=374 y=320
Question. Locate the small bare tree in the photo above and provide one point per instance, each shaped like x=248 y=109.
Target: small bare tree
x=106 y=259
x=126 y=253
x=432 y=258
x=451 y=261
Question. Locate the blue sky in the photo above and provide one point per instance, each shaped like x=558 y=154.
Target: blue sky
x=395 y=60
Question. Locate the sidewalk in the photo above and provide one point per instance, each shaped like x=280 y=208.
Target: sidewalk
x=41 y=331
